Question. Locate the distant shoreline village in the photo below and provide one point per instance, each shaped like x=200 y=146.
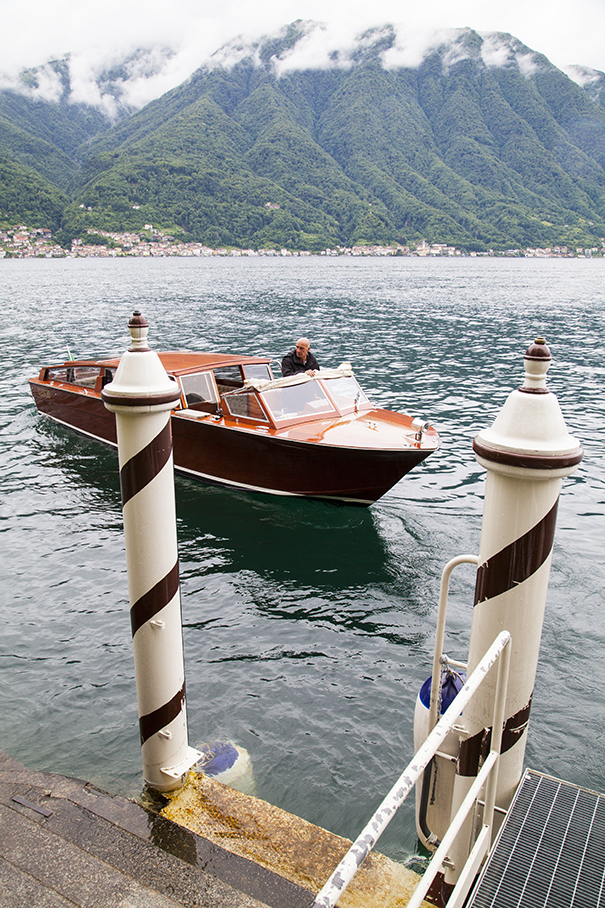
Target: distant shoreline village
x=24 y=243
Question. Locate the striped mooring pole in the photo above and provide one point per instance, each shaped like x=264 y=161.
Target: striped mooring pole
x=527 y=452
x=142 y=396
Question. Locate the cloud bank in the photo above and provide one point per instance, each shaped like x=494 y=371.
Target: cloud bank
x=31 y=34
x=137 y=52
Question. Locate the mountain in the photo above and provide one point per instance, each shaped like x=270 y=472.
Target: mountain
x=48 y=115
x=591 y=80
x=26 y=198
x=482 y=143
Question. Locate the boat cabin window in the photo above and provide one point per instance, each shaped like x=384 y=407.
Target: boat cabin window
x=199 y=389
x=258 y=370
x=228 y=378
x=75 y=375
x=246 y=405
x=307 y=399
x=346 y=393
x=59 y=374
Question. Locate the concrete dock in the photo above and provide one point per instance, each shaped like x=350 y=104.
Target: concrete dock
x=64 y=842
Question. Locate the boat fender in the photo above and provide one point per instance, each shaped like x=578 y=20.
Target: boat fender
x=228 y=763
x=451 y=684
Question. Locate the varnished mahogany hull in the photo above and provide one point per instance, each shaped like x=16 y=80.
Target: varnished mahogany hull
x=228 y=455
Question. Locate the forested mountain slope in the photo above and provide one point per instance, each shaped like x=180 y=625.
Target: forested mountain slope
x=483 y=144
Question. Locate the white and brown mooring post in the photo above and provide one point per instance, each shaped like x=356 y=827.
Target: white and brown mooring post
x=527 y=452
x=142 y=395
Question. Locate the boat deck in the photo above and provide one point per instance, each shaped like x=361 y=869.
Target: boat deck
x=550 y=851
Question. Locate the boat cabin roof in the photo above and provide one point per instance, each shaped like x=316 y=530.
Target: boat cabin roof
x=180 y=363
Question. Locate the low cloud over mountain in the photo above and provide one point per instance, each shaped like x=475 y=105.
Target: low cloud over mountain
x=116 y=82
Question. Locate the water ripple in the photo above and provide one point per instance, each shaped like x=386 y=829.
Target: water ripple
x=308 y=628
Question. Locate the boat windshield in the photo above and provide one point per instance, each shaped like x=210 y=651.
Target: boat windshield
x=258 y=370
x=307 y=399
x=347 y=394
x=246 y=405
x=199 y=388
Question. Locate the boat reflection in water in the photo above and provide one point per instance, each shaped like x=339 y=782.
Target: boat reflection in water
x=236 y=425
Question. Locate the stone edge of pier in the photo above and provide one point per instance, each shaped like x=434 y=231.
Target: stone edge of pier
x=65 y=842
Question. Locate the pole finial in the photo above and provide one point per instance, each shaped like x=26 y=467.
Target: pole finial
x=140 y=381
x=537 y=362
x=138 y=327
x=529 y=432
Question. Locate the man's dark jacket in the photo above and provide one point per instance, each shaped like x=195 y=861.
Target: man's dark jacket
x=292 y=365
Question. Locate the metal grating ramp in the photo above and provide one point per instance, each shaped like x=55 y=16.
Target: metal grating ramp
x=550 y=852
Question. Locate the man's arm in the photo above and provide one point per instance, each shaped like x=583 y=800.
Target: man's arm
x=287 y=366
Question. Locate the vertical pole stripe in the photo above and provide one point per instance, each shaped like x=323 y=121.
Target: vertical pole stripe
x=517 y=561
x=473 y=751
x=155 y=721
x=146 y=464
x=151 y=602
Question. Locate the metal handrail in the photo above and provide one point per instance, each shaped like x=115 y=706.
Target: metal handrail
x=365 y=842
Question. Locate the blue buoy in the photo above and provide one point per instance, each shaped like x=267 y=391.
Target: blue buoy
x=228 y=763
x=451 y=684
x=219 y=756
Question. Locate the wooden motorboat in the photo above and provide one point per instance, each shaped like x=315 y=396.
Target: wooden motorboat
x=236 y=425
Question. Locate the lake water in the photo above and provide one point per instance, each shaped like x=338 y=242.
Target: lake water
x=308 y=627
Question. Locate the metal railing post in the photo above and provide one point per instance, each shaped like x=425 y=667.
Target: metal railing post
x=488 y=777
x=440 y=633
x=497 y=730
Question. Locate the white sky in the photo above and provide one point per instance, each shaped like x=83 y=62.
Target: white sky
x=39 y=30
